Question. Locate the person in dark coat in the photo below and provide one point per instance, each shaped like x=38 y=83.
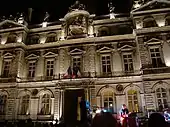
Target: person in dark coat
x=156 y=120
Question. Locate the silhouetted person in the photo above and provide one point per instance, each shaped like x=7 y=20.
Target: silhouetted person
x=83 y=110
x=156 y=120
x=104 y=119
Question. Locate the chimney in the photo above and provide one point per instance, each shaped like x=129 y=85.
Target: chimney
x=30 y=14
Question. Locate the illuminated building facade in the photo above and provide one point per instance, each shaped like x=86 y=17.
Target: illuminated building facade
x=118 y=59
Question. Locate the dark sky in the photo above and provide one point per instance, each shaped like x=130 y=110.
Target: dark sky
x=58 y=8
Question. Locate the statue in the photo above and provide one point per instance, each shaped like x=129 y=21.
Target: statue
x=46 y=17
x=76 y=6
x=11 y=17
x=111 y=8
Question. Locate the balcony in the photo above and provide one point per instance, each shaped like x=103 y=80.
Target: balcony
x=23 y=117
x=7 y=79
x=156 y=70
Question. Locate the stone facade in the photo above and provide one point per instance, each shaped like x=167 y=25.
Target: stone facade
x=39 y=58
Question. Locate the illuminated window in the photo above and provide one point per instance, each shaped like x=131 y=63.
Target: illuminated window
x=45 y=105
x=128 y=62
x=133 y=101
x=6 y=68
x=156 y=58
x=108 y=101
x=24 y=110
x=161 y=95
x=49 y=67
x=31 y=69
x=106 y=63
x=3 y=104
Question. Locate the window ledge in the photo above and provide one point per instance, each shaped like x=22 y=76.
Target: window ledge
x=39 y=116
x=19 y=116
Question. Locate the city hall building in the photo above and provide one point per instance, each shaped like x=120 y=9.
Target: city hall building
x=110 y=60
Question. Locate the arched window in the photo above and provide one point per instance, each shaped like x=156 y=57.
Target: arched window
x=11 y=38
x=161 y=95
x=133 y=103
x=45 y=105
x=108 y=101
x=25 y=101
x=3 y=104
x=149 y=22
x=51 y=38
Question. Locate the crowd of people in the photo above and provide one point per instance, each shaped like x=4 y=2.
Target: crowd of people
x=102 y=119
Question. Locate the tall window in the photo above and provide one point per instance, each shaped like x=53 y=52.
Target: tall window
x=156 y=57
x=128 y=62
x=25 y=105
x=161 y=95
x=77 y=62
x=133 y=101
x=6 y=68
x=45 y=105
x=106 y=63
x=31 y=69
x=49 y=68
x=108 y=101
x=3 y=104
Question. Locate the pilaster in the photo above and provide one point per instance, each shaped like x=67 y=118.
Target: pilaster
x=1 y=62
x=40 y=65
x=34 y=108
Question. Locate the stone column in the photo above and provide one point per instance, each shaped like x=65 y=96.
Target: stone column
x=98 y=101
x=52 y=106
x=1 y=62
x=40 y=66
x=34 y=108
x=20 y=64
x=92 y=53
x=92 y=97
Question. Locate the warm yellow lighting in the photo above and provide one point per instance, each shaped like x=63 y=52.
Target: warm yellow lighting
x=19 y=39
x=161 y=22
x=112 y=16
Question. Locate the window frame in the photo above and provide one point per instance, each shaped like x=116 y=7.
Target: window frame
x=101 y=65
x=123 y=63
x=81 y=61
x=46 y=60
x=160 y=51
x=31 y=61
x=3 y=67
x=6 y=104
x=21 y=105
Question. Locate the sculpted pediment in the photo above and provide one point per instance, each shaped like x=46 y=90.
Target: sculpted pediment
x=126 y=48
x=105 y=49
x=153 y=41
x=9 y=24
x=152 y=5
x=8 y=55
x=77 y=51
x=32 y=56
x=50 y=54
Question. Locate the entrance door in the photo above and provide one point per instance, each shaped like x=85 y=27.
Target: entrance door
x=71 y=105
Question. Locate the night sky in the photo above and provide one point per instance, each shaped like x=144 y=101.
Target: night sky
x=58 y=8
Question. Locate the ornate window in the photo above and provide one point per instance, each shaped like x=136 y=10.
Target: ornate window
x=156 y=57
x=77 y=62
x=6 y=68
x=45 y=105
x=3 y=104
x=33 y=40
x=128 y=62
x=31 y=69
x=49 y=67
x=11 y=38
x=106 y=63
x=24 y=105
x=161 y=95
x=133 y=103
x=108 y=101
x=149 y=22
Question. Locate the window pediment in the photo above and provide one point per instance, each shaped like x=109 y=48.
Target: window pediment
x=8 y=55
x=50 y=54
x=9 y=24
x=153 y=41
x=105 y=50
x=76 y=51
x=32 y=56
x=126 y=48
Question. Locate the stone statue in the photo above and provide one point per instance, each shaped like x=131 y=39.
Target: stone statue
x=76 y=6
x=46 y=17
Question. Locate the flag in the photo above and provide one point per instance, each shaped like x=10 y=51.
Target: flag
x=68 y=74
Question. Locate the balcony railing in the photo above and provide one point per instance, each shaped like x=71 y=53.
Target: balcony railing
x=83 y=75
x=156 y=70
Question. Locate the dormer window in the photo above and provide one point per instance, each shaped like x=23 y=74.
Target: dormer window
x=104 y=31
x=33 y=40
x=11 y=38
x=51 y=38
x=149 y=22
